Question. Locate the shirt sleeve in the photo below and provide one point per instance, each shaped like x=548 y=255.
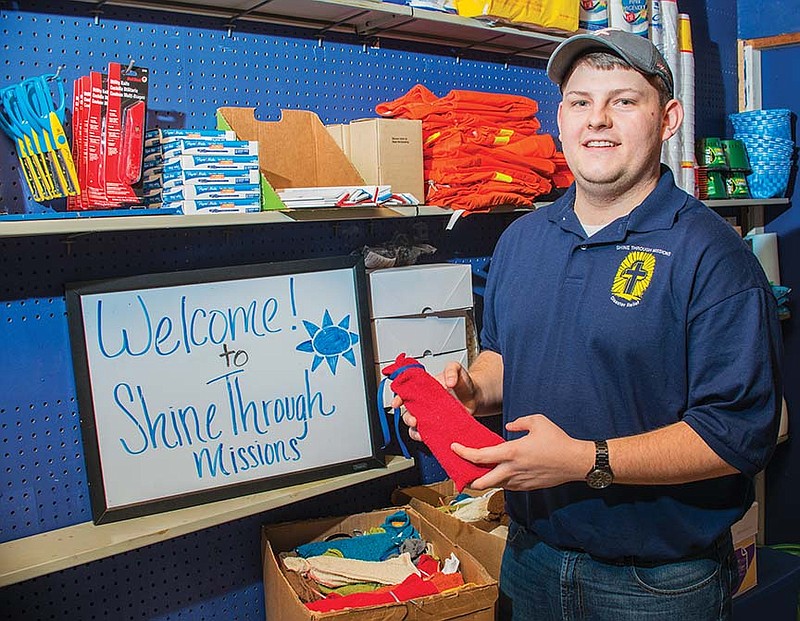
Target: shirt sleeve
x=735 y=384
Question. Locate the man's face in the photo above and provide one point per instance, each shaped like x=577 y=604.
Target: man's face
x=612 y=127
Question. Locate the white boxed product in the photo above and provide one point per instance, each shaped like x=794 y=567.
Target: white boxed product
x=420 y=289
x=220 y=177
x=208 y=191
x=418 y=336
x=214 y=206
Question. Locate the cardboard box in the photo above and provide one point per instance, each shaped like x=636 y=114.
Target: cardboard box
x=294 y=152
x=388 y=152
x=341 y=136
x=744 y=546
x=420 y=289
x=472 y=537
x=475 y=602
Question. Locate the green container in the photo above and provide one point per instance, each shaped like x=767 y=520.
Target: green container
x=736 y=185
x=716 y=185
x=736 y=155
x=710 y=154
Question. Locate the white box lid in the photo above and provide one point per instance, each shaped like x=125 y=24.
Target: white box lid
x=420 y=289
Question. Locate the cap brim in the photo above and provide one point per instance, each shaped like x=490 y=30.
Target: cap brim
x=576 y=46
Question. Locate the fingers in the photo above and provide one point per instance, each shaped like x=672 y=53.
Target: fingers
x=487 y=456
x=397 y=402
x=524 y=423
x=411 y=422
x=452 y=374
x=488 y=480
x=493 y=478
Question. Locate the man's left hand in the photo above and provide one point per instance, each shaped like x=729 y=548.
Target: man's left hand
x=545 y=457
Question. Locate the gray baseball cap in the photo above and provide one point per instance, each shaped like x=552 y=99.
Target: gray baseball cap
x=634 y=49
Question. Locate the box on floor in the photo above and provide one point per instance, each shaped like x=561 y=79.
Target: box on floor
x=744 y=534
x=475 y=602
x=472 y=537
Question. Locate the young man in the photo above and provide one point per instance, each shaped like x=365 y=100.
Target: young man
x=631 y=339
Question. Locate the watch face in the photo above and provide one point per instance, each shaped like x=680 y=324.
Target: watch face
x=599 y=479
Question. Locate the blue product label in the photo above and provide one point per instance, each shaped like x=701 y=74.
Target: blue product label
x=593 y=14
x=214 y=161
x=215 y=206
x=635 y=14
x=213 y=191
x=227 y=177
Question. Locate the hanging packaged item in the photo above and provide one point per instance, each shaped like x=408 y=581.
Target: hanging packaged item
x=108 y=122
x=558 y=14
x=33 y=117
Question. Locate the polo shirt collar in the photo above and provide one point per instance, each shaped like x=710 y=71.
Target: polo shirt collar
x=658 y=211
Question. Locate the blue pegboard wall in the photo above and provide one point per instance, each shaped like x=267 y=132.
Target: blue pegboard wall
x=195 y=67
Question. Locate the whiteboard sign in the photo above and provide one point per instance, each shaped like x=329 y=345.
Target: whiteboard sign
x=202 y=385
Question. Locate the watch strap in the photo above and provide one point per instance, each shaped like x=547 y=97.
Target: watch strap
x=601 y=455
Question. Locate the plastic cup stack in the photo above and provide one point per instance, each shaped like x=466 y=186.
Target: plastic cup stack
x=766 y=134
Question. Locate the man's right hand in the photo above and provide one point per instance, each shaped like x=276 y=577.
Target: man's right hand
x=457 y=380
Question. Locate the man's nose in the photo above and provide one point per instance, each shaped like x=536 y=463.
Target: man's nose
x=599 y=118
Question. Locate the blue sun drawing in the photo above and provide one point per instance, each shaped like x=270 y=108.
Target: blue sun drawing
x=329 y=342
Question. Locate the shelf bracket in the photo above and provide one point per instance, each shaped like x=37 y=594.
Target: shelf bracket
x=231 y=25
x=381 y=25
x=97 y=11
x=342 y=22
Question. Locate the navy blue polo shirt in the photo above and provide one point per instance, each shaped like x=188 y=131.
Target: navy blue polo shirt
x=664 y=315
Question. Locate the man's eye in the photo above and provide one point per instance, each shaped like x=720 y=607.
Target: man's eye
x=580 y=103
x=626 y=102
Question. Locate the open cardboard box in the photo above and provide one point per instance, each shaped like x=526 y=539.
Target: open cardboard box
x=744 y=534
x=293 y=152
x=475 y=602
x=471 y=536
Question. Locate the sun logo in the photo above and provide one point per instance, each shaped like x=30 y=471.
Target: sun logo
x=633 y=276
x=329 y=342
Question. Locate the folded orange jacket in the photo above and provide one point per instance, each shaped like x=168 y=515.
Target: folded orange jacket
x=481 y=198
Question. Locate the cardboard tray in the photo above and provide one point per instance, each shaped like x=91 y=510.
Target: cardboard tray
x=484 y=546
x=475 y=602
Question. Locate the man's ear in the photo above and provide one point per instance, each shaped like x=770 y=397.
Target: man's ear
x=558 y=118
x=671 y=119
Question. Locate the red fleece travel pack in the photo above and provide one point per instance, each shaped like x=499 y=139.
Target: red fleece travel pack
x=441 y=419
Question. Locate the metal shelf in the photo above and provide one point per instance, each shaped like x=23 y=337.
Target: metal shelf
x=55 y=550
x=746 y=202
x=368 y=19
x=87 y=225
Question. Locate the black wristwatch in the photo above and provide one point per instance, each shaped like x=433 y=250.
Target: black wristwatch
x=600 y=476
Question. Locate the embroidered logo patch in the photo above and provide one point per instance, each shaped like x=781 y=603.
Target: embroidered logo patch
x=633 y=277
